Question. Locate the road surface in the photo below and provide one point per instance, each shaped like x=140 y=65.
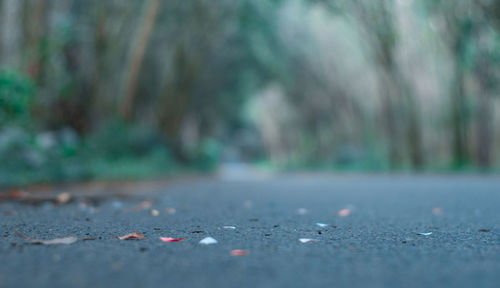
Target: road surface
x=371 y=237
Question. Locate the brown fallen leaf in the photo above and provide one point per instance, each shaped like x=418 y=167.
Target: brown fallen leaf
x=65 y=240
x=135 y=235
x=18 y=194
x=63 y=198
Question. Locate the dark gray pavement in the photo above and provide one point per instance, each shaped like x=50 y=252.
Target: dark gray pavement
x=376 y=245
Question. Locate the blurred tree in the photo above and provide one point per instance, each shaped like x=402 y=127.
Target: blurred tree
x=401 y=112
x=139 y=45
x=11 y=32
x=467 y=25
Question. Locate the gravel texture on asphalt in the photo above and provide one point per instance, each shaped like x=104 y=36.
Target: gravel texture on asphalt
x=371 y=238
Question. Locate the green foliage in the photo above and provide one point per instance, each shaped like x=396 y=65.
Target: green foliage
x=339 y=84
x=16 y=97
x=207 y=155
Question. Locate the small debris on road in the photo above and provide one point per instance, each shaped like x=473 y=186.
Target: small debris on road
x=135 y=235
x=344 y=212
x=228 y=227
x=19 y=194
x=302 y=211
x=142 y=206
x=170 y=210
x=208 y=241
x=65 y=240
x=322 y=225
x=238 y=252
x=170 y=239
x=63 y=198
x=424 y=233
x=483 y=230
x=437 y=211
x=306 y=240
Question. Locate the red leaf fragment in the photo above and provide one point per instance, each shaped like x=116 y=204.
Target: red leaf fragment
x=135 y=235
x=170 y=239
x=344 y=212
x=238 y=252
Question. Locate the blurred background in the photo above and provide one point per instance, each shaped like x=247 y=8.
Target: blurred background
x=130 y=89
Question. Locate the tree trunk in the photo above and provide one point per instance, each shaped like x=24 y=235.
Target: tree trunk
x=35 y=31
x=484 y=121
x=459 y=121
x=413 y=122
x=389 y=115
x=137 y=56
x=11 y=33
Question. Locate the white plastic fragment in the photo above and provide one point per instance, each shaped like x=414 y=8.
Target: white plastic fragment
x=306 y=240
x=424 y=233
x=208 y=241
x=229 y=227
x=322 y=225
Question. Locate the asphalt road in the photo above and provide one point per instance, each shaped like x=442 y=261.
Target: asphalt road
x=371 y=238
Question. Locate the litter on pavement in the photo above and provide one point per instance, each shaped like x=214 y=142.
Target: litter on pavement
x=302 y=211
x=208 y=241
x=306 y=240
x=170 y=239
x=135 y=235
x=238 y=252
x=65 y=240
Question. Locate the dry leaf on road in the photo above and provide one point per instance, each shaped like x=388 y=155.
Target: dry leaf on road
x=135 y=235
x=65 y=240
x=63 y=198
